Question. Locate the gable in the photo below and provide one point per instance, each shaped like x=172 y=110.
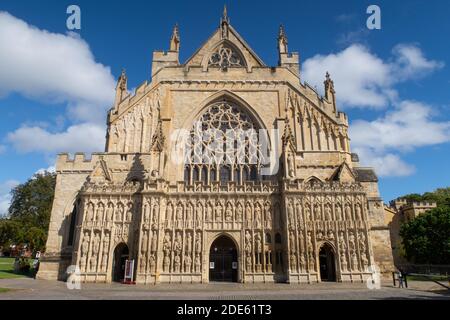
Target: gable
x=100 y=173
x=233 y=41
x=343 y=174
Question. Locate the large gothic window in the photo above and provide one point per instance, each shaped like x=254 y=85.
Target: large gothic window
x=225 y=57
x=224 y=145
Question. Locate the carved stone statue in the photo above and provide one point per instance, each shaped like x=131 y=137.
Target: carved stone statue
x=169 y=212
x=219 y=212
x=199 y=212
x=342 y=245
x=365 y=261
x=248 y=212
x=348 y=212
x=317 y=212
x=351 y=242
x=143 y=263
x=177 y=263
x=166 y=262
x=154 y=246
x=90 y=212
x=144 y=241
x=155 y=212
x=110 y=212
x=198 y=243
x=291 y=166
x=130 y=211
x=312 y=263
x=328 y=215
x=188 y=247
x=362 y=242
x=152 y=262
x=229 y=213
x=358 y=212
x=258 y=243
x=338 y=212
x=310 y=243
x=100 y=212
x=239 y=212
x=258 y=215
x=187 y=263
x=167 y=246
x=189 y=212
x=179 y=212
x=197 y=263
x=354 y=262
x=96 y=244
x=209 y=213
x=293 y=262
x=177 y=245
x=248 y=242
x=308 y=213
x=344 y=264
x=248 y=262
x=292 y=242
x=291 y=215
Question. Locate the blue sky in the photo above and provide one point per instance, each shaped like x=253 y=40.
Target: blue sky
x=56 y=86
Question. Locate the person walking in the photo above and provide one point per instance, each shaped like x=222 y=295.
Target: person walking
x=400 y=278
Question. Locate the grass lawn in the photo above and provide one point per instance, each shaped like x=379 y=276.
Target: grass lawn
x=434 y=277
x=3 y=290
x=7 y=269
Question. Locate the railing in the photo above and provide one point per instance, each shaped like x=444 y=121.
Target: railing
x=428 y=269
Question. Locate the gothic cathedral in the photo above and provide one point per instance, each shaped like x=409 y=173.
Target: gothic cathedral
x=219 y=169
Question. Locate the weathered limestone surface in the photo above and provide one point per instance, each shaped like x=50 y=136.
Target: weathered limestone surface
x=167 y=214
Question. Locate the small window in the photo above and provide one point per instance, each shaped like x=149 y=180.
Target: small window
x=73 y=221
x=187 y=174
x=278 y=238
x=268 y=238
x=224 y=175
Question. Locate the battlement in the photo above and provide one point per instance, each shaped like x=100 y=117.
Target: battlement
x=81 y=162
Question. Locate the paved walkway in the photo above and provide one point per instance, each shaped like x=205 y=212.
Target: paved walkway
x=44 y=290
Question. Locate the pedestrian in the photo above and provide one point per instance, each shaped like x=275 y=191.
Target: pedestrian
x=400 y=278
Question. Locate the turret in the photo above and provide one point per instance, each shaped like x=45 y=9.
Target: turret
x=121 y=89
x=286 y=59
x=330 y=94
x=224 y=23
x=163 y=59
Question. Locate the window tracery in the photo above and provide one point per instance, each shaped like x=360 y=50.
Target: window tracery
x=223 y=145
x=225 y=57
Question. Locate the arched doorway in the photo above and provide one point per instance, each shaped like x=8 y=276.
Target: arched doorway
x=121 y=254
x=327 y=263
x=223 y=264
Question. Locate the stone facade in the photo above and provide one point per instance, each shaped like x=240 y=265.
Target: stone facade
x=318 y=210
x=398 y=212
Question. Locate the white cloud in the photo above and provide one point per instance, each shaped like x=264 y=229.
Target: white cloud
x=364 y=80
x=360 y=77
x=410 y=125
x=51 y=169
x=53 y=67
x=2 y=148
x=86 y=137
x=410 y=62
x=5 y=196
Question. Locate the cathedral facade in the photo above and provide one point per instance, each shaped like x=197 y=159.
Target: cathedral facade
x=219 y=169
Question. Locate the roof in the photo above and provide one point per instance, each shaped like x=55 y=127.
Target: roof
x=365 y=175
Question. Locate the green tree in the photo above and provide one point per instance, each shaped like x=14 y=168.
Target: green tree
x=426 y=239
x=440 y=196
x=29 y=213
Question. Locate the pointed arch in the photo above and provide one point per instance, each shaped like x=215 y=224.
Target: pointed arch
x=224 y=54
